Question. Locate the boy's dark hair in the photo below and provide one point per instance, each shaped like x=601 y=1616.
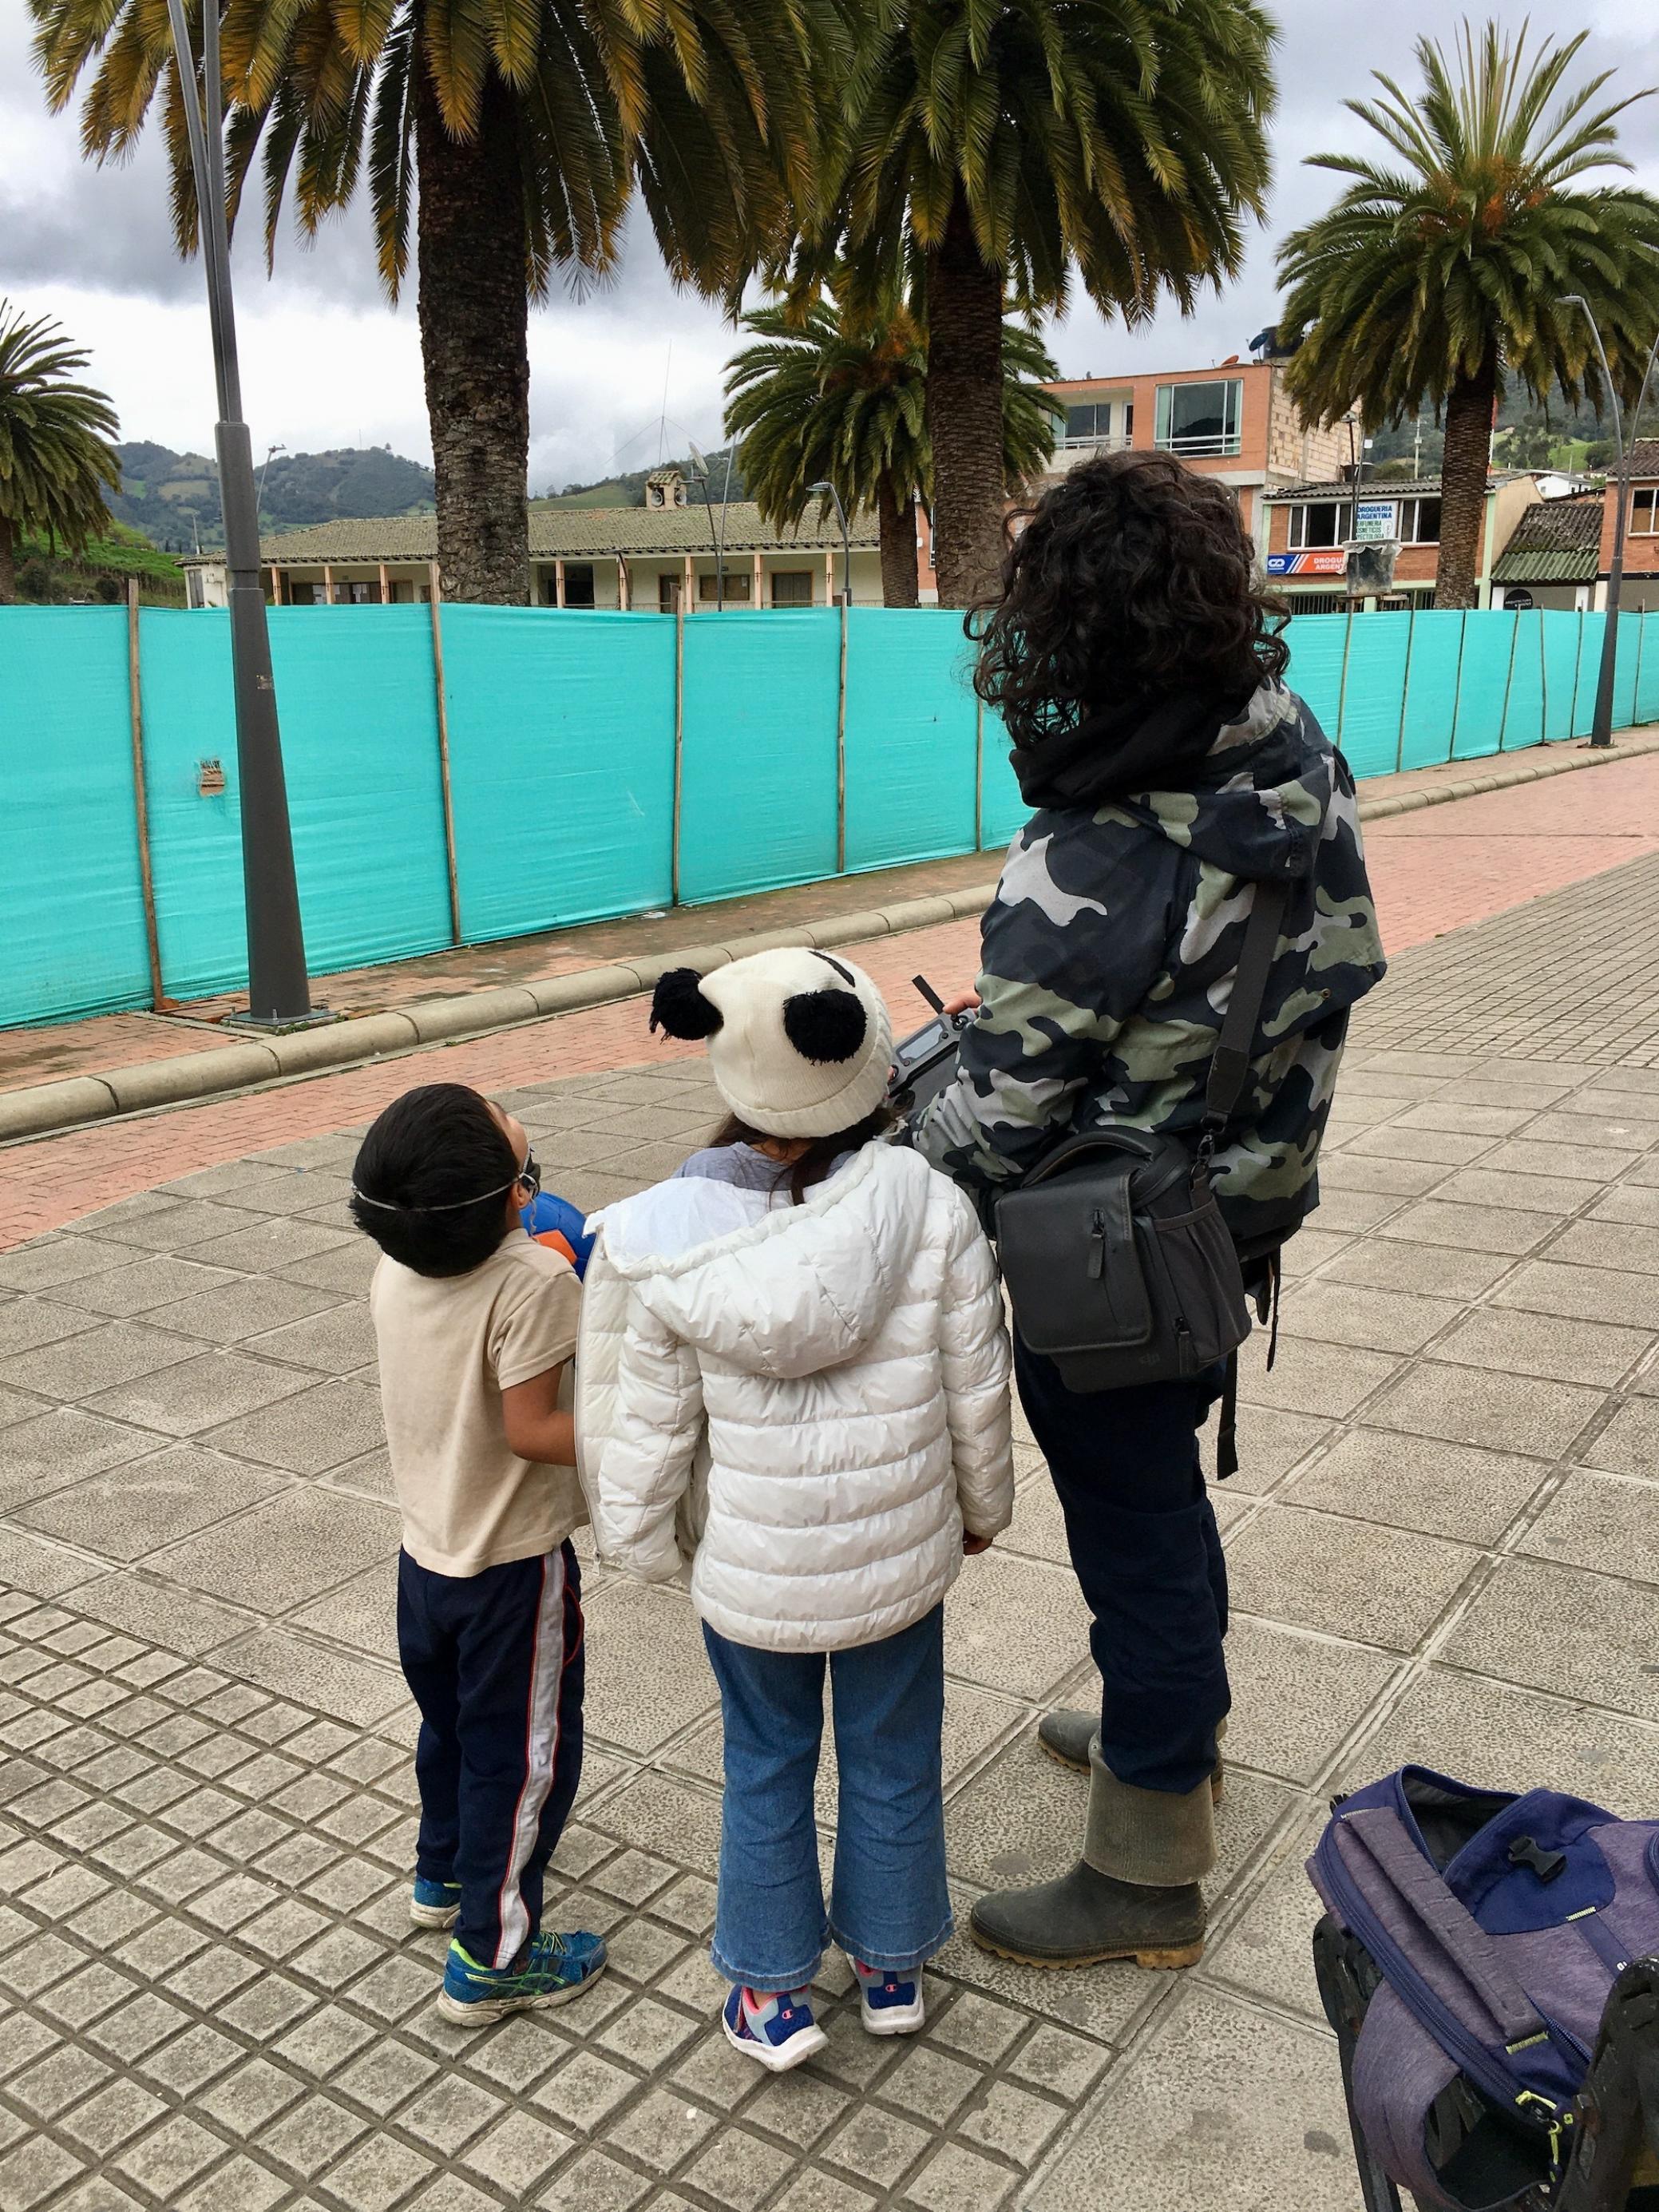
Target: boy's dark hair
x=431 y=1179
x=820 y=1156
x=1132 y=574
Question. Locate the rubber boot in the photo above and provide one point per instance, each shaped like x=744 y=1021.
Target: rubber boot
x=1133 y=1894
x=1069 y=1736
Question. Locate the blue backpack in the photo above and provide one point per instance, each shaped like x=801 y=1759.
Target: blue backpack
x=1478 y=1936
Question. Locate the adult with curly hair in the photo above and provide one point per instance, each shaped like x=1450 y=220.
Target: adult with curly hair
x=1139 y=669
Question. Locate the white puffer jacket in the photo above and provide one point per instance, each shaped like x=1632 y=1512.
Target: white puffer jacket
x=818 y=1394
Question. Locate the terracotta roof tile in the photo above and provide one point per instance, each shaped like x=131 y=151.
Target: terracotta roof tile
x=581 y=531
x=1558 y=541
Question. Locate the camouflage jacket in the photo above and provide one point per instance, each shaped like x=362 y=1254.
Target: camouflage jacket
x=1109 y=955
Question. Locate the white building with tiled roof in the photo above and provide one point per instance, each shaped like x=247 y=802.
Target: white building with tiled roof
x=641 y=557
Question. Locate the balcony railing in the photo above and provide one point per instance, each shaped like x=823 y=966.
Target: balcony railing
x=1201 y=445
x=1100 y=442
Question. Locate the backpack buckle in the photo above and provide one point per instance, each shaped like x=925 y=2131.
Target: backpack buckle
x=1545 y=1864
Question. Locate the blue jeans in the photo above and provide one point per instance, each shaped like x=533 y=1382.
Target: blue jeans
x=889 y=1903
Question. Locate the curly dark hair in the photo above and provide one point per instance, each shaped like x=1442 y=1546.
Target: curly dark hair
x=1132 y=574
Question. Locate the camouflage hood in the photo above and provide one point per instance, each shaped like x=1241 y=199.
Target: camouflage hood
x=1259 y=804
x=1109 y=954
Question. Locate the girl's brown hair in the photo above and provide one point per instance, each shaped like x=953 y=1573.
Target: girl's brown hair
x=815 y=1162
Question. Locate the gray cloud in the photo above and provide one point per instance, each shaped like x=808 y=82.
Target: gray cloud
x=99 y=237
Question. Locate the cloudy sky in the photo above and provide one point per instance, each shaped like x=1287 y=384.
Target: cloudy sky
x=325 y=363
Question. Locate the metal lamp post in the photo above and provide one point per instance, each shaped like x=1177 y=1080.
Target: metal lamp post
x=279 y=988
x=700 y=470
x=846 y=593
x=1601 y=722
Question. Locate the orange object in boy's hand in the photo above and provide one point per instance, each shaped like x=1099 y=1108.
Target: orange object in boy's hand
x=972 y=1546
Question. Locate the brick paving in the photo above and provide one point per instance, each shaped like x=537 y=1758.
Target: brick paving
x=1444 y=1543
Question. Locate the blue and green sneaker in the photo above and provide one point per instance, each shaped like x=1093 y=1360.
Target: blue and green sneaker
x=434 y=1903
x=551 y=1970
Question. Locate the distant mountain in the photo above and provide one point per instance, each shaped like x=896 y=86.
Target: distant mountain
x=174 y=497
x=627 y=489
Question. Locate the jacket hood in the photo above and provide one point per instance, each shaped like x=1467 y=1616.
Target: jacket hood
x=775 y=1290
x=1264 y=799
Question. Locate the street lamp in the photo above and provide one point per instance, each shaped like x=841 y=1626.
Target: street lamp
x=279 y=989
x=829 y=489
x=700 y=470
x=264 y=471
x=1601 y=722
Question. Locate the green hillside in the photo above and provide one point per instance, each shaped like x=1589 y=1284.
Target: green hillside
x=627 y=489
x=98 y=573
x=174 y=498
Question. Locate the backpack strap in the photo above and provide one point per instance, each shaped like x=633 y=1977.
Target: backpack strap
x=1457 y=1937
x=1230 y=1063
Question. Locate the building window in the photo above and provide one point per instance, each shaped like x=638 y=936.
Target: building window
x=1083 y=425
x=738 y=586
x=1128 y=420
x=1318 y=523
x=195 y=595
x=351 y=592
x=1420 y=522
x=792 y=588
x=578 y=583
x=1201 y=421
x=668 y=593
x=1644 y=512
x=303 y=595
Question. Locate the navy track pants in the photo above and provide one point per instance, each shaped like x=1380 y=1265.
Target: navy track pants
x=495 y=1662
x=1145 y=1546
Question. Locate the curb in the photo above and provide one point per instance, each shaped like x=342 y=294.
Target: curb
x=73 y=1102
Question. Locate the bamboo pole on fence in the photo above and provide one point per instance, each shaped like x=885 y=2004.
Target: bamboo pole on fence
x=158 y=997
x=1578 y=678
x=1509 y=680
x=1636 y=688
x=441 y=690
x=1457 y=684
x=1543 y=685
x=840 y=750
x=1405 y=688
x=1342 y=688
x=679 y=749
x=979 y=773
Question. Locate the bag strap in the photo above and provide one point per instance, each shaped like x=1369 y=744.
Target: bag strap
x=1230 y=1062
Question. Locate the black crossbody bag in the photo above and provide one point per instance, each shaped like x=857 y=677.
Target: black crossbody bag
x=1118 y=1264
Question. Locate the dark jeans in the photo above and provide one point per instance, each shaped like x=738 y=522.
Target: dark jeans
x=494 y=1663
x=1147 y=1553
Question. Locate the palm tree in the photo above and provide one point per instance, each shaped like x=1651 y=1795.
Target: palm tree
x=817 y=401
x=1434 y=281
x=528 y=126
x=990 y=148
x=55 y=458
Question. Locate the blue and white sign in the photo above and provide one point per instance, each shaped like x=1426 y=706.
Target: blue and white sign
x=1374 y=519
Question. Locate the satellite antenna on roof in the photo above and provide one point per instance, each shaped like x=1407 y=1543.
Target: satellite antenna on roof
x=699 y=463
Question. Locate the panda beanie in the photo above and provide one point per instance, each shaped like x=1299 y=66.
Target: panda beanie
x=799 y=1042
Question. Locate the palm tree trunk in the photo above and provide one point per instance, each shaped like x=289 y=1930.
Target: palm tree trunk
x=7 y=563
x=964 y=412
x=1463 y=483
x=898 y=518
x=475 y=314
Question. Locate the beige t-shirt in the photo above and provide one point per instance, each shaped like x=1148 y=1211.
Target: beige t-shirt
x=449 y=1346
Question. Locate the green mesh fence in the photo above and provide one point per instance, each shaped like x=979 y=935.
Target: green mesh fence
x=600 y=765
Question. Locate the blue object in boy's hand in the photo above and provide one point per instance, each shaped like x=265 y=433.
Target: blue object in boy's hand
x=555 y=1221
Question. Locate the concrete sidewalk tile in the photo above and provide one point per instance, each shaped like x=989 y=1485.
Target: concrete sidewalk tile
x=1310 y=1378
x=1349 y=1578
x=134 y=1508
x=1376 y=1265
x=1501 y=1185
x=1443 y=1489
x=1624 y=1130
x=1365 y=1171
x=267 y=1246
x=1267 y=1952
x=235 y=1307
x=1520 y=1343
x=81 y=1366
x=1595 y=1519
x=1384 y=1321
x=1460 y=1119
x=26 y=1323
x=1633 y=1202
x=1294 y=1697
x=308 y=1433
x=1435 y=1147
x=143 y=1286
x=59 y=1447
x=648 y=1676
x=1470 y=1405
x=1438 y=1221
x=346 y=1269
x=1558 y=1628
x=42 y=1569
x=996 y=1588
x=338 y=1342
x=1614 y=1245
x=1629 y=1445
x=362 y=1613
x=200 y=1393
x=1588 y=1294
x=1496 y=1733
x=1225 y=2106
x=50 y=1260
x=159 y=1613
x=347 y=1689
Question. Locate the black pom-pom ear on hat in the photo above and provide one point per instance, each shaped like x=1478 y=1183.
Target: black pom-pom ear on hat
x=825 y=1025
x=678 y=1007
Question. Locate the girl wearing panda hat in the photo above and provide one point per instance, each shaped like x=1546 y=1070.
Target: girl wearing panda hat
x=793 y=1370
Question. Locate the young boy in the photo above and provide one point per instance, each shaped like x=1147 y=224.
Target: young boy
x=476 y=1323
